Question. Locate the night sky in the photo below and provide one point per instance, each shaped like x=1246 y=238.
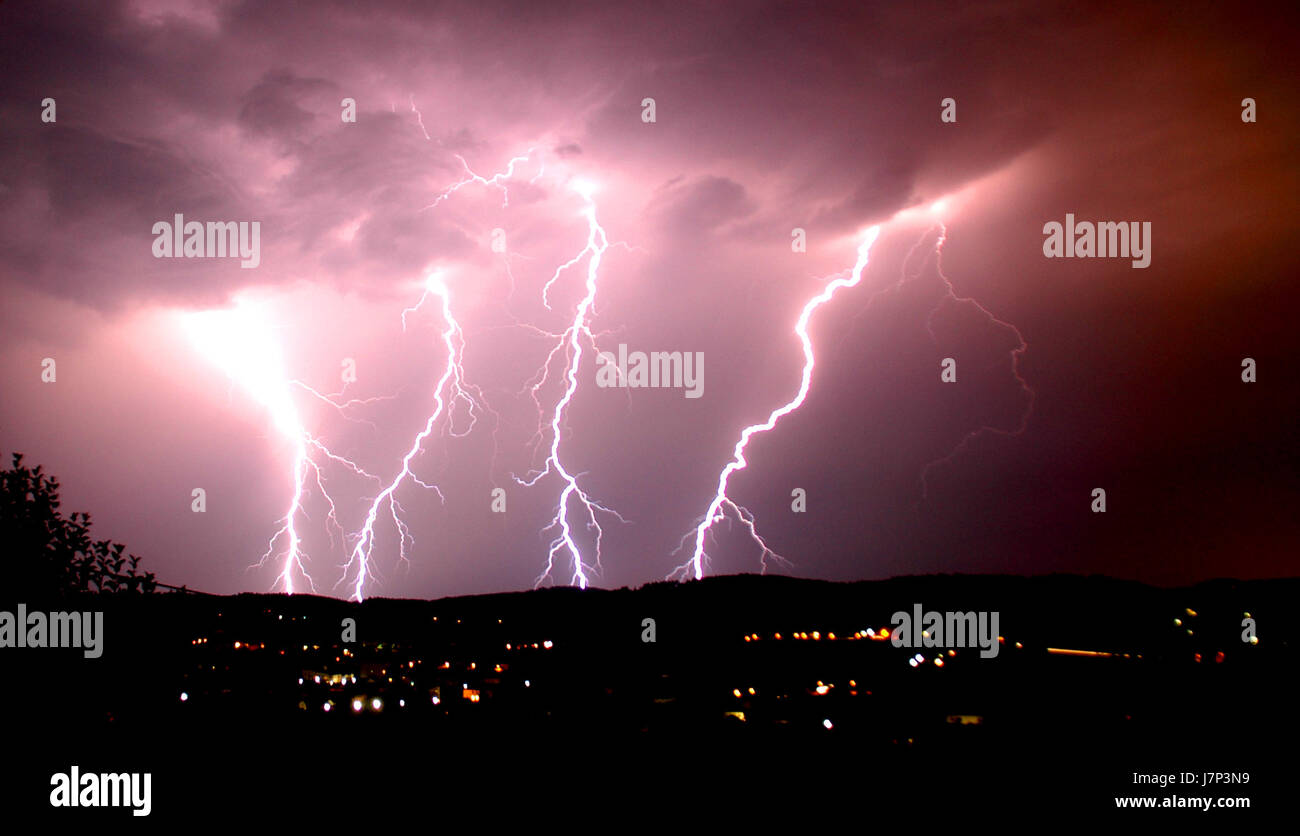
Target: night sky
x=768 y=117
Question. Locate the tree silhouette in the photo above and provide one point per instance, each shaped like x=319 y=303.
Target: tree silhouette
x=50 y=556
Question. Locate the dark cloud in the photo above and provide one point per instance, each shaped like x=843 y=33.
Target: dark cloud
x=287 y=109
x=700 y=207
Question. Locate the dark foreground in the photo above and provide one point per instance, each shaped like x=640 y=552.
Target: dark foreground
x=459 y=711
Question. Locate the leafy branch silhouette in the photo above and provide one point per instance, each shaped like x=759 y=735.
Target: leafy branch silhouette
x=50 y=555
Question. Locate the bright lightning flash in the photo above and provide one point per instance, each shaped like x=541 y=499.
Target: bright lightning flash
x=238 y=342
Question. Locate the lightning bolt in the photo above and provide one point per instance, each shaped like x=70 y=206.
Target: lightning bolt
x=571 y=342
x=447 y=392
x=293 y=555
x=1017 y=353
x=238 y=342
x=342 y=408
x=359 y=565
x=497 y=180
x=451 y=389
x=721 y=502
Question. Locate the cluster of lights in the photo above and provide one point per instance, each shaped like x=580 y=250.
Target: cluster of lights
x=821 y=689
x=817 y=635
x=545 y=645
x=332 y=679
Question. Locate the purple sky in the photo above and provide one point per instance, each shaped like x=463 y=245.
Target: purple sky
x=769 y=117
